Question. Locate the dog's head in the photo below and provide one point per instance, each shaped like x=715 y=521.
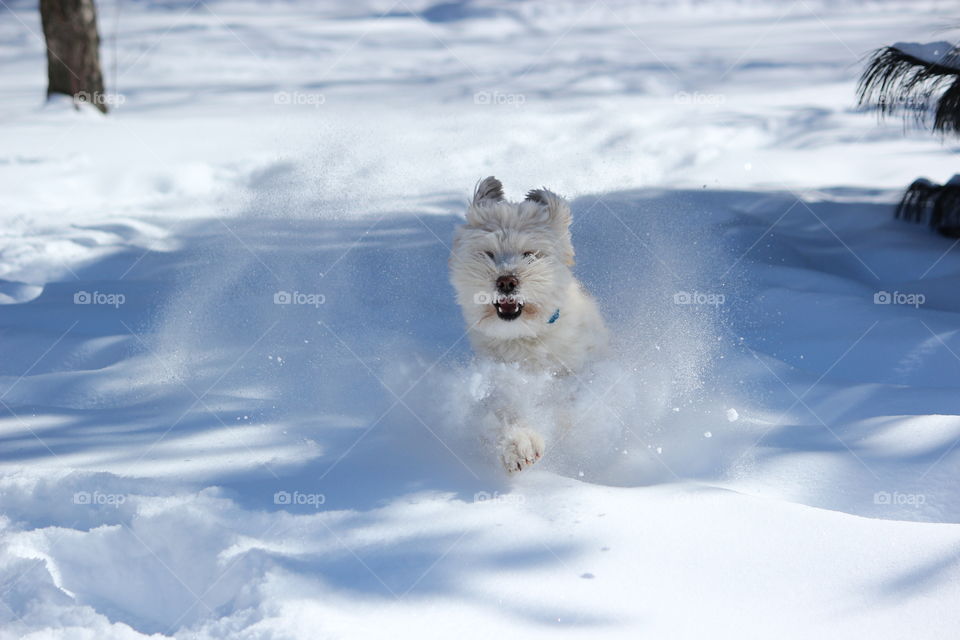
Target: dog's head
x=511 y=261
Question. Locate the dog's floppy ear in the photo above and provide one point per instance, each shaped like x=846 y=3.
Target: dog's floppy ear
x=556 y=206
x=558 y=213
x=488 y=190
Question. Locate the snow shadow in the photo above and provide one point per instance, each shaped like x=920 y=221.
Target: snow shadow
x=267 y=353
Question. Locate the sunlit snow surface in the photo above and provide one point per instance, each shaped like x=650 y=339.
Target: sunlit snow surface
x=770 y=451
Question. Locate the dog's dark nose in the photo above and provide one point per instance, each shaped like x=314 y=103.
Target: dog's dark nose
x=506 y=284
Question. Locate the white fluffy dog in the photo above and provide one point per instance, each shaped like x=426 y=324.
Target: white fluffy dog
x=510 y=268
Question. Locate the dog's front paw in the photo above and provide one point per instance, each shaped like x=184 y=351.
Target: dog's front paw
x=521 y=448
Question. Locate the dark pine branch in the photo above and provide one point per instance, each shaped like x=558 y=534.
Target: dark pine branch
x=897 y=82
x=937 y=205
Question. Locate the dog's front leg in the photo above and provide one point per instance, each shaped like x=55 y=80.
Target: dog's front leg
x=519 y=445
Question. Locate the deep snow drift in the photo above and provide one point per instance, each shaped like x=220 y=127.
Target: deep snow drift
x=235 y=391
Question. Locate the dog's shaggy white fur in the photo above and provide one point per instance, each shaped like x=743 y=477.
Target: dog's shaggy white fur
x=510 y=268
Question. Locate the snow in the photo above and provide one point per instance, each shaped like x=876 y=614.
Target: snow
x=235 y=394
x=940 y=52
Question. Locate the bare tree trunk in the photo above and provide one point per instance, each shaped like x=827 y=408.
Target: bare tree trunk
x=73 y=57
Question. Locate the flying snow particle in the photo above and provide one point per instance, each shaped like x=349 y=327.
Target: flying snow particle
x=732 y=415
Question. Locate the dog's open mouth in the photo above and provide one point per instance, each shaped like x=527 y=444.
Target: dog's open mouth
x=508 y=307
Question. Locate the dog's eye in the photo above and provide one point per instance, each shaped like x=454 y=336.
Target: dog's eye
x=489 y=254
x=530 y=255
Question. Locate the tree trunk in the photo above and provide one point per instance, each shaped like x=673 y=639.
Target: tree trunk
x=73 y=57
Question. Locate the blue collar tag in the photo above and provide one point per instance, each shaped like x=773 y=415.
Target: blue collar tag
x=554 y=317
